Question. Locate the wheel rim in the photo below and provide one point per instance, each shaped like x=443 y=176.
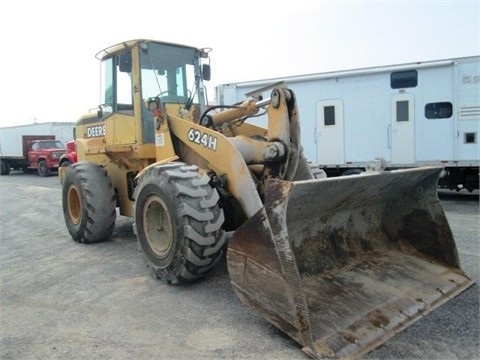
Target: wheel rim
x=157 y=223
x=74 y=205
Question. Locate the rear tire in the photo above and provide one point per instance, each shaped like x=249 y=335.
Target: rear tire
x=43 y=169
x=5 y=168
x=89 y=203
x=178 y=222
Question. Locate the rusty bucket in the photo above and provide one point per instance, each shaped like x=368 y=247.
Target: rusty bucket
x=342 y=264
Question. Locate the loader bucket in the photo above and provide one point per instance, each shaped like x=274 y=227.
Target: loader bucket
x=342 y=264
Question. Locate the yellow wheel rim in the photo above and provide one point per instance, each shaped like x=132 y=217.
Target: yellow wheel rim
x=74 y=205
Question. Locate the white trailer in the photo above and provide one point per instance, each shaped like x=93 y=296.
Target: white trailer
x=415 y=114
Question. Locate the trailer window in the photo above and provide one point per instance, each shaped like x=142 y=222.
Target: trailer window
x=402 y=111
x=404 y=79
x=439 y=110
x=329 y=115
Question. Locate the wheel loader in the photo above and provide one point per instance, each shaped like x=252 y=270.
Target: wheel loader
x=339 y=264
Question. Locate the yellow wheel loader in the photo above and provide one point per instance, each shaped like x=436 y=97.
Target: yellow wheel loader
x=339 y=264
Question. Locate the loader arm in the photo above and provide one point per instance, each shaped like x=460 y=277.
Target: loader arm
x=230 y=157
x=283 y=129
x=222 y=157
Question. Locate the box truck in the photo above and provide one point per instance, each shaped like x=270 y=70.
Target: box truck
x=34 y=147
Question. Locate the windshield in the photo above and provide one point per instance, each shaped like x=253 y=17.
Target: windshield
x=169 y=72
x=54 y=144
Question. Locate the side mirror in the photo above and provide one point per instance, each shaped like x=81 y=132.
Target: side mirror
x=125 y=62
x=206 y=72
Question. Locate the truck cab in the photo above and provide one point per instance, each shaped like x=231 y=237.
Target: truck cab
x=44 y=155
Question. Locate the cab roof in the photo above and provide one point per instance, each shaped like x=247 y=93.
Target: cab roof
x=130 y=43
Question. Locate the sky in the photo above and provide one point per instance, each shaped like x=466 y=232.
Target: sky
x=48 y=69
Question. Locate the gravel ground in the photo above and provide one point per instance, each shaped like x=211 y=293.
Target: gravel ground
x=63 y=300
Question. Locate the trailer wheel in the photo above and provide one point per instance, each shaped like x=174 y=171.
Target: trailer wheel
x=43 y=169
x=316 y=171
x=352 y=172
x=89 y=203
x=5 y=168
x=178 y=223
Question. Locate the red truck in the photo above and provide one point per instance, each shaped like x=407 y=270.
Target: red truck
x=40 y=152
x=70 y=157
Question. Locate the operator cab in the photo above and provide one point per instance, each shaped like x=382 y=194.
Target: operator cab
x=138 y=70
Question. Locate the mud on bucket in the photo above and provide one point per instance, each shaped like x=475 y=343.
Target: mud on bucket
x=342 y=264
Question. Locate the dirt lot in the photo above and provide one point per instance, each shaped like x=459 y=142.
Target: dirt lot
x=63 y=300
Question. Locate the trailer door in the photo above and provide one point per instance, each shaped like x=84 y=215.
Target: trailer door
x=329 y=121
x=402 y=131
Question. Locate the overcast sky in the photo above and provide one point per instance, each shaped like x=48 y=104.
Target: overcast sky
x=48 y=71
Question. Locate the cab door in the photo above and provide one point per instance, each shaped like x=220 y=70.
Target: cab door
x=32 y=154
x=118 y=92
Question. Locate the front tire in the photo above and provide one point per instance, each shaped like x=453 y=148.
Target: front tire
x=89 y=203
x=178 y=222
x=43 y=169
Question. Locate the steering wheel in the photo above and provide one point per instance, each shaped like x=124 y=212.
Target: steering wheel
x=172 y=97
x=167 y=92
